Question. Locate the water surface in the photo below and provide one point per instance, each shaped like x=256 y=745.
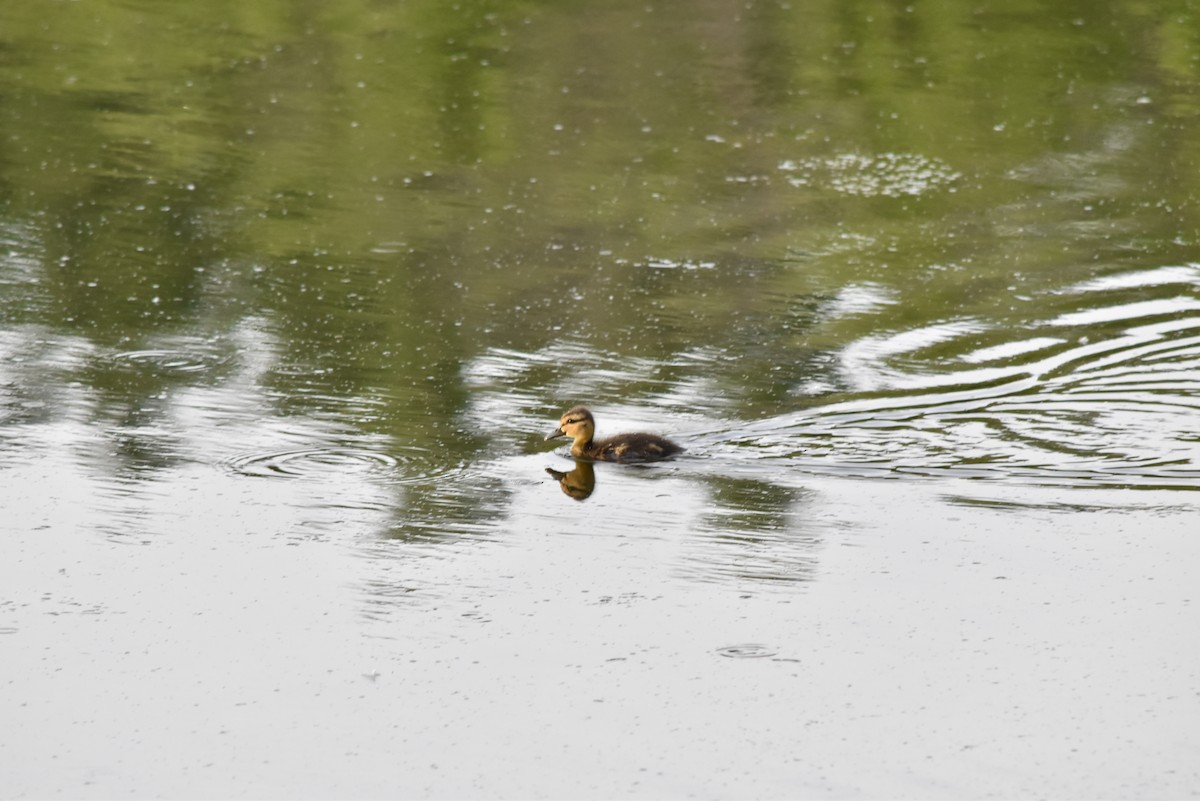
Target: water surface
x=289 y=298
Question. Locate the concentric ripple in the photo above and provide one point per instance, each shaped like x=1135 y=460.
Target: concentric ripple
x=750 y=650
x=313 y=463
x=176 y=361
x=334 y=462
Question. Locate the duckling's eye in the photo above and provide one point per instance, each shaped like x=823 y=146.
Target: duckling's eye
x=572 y=422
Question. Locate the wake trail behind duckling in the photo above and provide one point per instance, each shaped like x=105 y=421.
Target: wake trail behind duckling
x=1117 y=412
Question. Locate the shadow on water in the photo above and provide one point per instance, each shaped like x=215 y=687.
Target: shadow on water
x=752 y=533
x=749 y=530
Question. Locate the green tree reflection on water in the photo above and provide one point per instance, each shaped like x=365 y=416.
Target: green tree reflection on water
x=392 y=189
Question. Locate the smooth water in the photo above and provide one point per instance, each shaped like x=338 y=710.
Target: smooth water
x=290 y=296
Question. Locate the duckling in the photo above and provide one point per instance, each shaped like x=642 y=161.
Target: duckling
x=579 y=425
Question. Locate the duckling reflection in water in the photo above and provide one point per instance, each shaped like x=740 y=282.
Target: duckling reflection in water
x=580 y=426
x=579 y=483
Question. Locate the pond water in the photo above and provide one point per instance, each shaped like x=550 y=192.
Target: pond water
x=290 y=297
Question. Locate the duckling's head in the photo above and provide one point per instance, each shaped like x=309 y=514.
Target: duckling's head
x=577 y=424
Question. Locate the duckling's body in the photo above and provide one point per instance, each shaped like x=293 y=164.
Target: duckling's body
x=580 y=426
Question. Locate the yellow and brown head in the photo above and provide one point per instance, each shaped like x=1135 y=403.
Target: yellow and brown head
x=577 y=424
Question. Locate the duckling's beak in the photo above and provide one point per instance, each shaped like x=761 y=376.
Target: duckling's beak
x=555 y=434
